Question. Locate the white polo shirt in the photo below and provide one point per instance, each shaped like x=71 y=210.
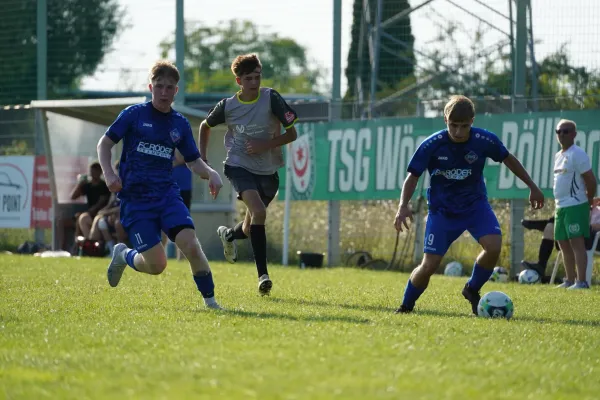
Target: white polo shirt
x=569 y=187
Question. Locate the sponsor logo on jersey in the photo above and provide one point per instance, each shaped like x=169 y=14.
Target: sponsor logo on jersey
x=147 y=125
x=443 y=158
x=456 y=174
x=154 y=149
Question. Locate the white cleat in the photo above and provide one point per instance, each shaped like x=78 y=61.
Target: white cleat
x=264 y=285
x=117 y=265
x=229 y=248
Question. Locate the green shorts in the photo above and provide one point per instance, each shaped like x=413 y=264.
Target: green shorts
x=571 y=222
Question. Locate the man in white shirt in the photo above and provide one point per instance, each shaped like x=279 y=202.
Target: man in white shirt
x=547 y=244
x=574 y=191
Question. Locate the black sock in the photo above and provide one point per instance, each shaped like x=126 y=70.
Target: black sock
x=545 y=252
x=237 y=232
x=258 y=237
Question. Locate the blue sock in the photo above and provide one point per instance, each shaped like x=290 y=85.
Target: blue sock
x=129 y=258
x=411 y=295
x=205 y=284
x=479 y=277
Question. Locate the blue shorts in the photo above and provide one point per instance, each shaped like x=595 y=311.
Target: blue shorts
x=143 y=222
x=441 y=230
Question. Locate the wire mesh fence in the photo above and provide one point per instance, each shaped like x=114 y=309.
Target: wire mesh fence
x=400 y=59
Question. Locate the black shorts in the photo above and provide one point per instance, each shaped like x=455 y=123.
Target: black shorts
x=186 y=195
x=241 y=179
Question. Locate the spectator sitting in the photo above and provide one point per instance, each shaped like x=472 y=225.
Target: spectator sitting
x=97 y=194
x=107 y=227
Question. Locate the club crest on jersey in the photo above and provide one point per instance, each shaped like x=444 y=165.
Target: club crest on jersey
x=471 y=157
x=175 y=135
x=303 y=165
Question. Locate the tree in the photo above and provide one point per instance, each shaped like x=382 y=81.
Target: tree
x=486 y=75
x=80 y=33
x=209 y=51
x=396 y=57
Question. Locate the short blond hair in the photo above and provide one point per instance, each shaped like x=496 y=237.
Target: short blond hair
x=245 y=64
x=567 y=122
x=459 y=108
x=164 y=69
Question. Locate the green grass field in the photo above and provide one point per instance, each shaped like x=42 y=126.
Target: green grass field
x=331 y=333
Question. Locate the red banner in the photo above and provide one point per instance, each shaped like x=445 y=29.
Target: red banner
x=41 y=206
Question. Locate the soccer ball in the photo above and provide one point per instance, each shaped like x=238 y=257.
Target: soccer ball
x=495 y=305
x=499 y=275
x=529 y=276
x=453 y=268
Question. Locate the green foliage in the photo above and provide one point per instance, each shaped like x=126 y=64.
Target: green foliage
x=17 y=148
x=486 y=72
x=396 y=60
x=80 y=33
x=64 y=333
x=210 y=51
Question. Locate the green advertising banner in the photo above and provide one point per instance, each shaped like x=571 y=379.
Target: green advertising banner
x=367 y=160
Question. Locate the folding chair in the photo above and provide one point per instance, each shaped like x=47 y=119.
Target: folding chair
x=590 y=261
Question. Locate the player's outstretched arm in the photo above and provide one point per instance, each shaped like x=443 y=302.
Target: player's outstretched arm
x=199 y=167
x=404 y=213
x=536 y=197
x=105 y=145
x=203 y=139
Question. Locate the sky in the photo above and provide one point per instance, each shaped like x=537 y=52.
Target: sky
x=310 y=23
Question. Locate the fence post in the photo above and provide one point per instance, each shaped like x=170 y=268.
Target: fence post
x=517 y=206
x=333 y=237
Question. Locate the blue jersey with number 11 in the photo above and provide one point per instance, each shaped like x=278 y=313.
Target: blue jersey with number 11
x=150 y=138
x=456 y=169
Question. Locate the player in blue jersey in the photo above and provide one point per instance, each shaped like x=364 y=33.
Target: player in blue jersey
x=457 y=198
x=150 y=199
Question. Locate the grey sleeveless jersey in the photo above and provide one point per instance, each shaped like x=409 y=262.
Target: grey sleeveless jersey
x=260 y=119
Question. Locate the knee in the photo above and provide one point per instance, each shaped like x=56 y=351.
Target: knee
x=190 y=247
x=84 y=217
x=548 y=232
x=156 y=267
x=428 y=268
x=493 y=249
x=260 y=214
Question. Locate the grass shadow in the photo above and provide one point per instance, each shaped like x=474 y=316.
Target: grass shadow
x=257 y=314
x=303 y=302
x=575 y=322
x=447 y=314
x=306 y=318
